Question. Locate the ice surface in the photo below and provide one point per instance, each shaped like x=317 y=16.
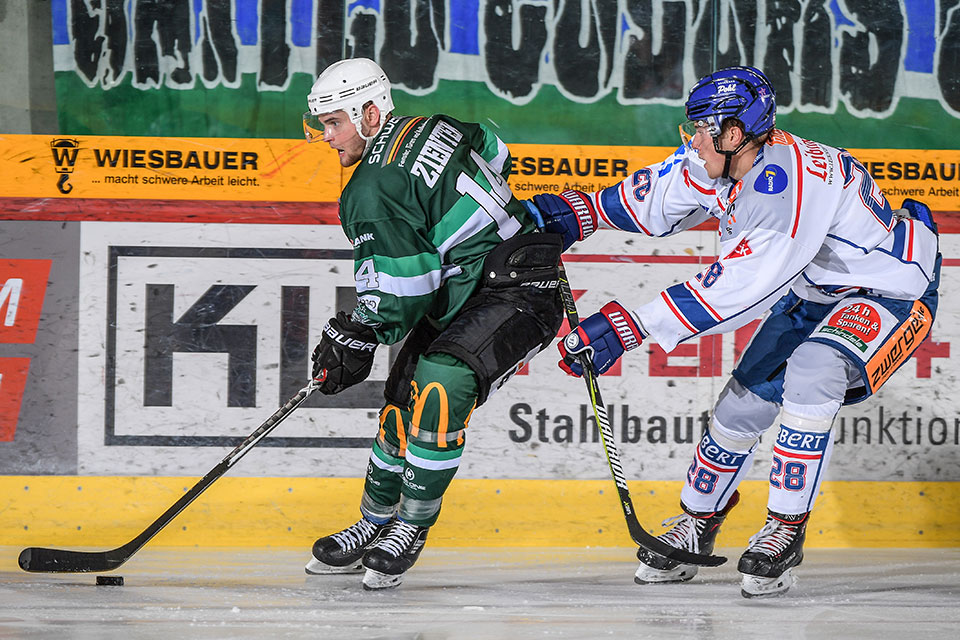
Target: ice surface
x=509 y=594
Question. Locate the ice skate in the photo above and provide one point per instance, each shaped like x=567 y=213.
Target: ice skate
x=774 y=550
x=393 y=554
x=692 y=531
x=342 y=551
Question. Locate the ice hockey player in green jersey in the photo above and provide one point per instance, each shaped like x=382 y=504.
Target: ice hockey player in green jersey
x=445 y=258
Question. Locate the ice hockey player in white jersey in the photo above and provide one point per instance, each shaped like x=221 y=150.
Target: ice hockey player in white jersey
x=806 y=234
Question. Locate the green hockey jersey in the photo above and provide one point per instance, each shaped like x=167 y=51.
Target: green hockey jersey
x=425 y=205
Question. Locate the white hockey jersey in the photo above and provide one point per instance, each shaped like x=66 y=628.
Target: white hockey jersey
x=806 y=217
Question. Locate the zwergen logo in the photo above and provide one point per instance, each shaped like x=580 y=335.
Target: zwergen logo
x=64 y=158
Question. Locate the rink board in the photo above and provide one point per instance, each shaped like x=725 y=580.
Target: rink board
x=272 y=290
x=105 y=512
x=229 y=297
x=533 y=472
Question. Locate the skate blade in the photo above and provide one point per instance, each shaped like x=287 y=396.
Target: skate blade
x=760 y=587
x=648 y=575
x=374 y=580
x=317 y=568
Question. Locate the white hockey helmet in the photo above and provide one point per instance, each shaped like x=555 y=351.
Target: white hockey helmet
x=347 y=85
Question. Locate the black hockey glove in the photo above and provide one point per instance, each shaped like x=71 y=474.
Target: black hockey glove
x=344 y=356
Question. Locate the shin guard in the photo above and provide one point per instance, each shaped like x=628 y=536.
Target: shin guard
x=445 y=394
x=719 y=464
x=800 y=457
x=381 y=488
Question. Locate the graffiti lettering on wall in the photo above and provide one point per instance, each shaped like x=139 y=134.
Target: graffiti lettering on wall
x=819 y=53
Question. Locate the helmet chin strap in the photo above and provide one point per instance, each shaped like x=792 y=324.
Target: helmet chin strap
x=726 y=163
x=368 y=140
x=728 y=155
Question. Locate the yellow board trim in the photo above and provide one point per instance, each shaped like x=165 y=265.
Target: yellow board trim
x=105 y=512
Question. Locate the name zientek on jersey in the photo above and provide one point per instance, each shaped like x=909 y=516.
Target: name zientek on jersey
x=436 y=152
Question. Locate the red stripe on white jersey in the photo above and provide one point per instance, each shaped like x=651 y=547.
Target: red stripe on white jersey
x=910 y=241
x=626 y=205
x=676 y=312
x=601 y=213
x=696 y=294
x=690 y=182
x=799 y=174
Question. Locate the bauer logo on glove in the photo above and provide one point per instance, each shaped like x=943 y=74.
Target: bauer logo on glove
x=344 y=356
x=600 y=339
x=346 y=341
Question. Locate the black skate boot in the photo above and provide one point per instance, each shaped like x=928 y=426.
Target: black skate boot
x=341 y=552
x=775 y=549
x=389 y=557
x=693 y=531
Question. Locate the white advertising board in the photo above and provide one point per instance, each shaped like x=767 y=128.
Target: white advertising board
x=191 y=335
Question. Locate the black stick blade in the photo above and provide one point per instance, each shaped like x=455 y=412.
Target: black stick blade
x=688 y=557
x=651 y=543
x=41 y=560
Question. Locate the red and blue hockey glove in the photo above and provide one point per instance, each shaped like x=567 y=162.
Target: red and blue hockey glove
x=571 y=214
x=603 y=337
x=344 y=355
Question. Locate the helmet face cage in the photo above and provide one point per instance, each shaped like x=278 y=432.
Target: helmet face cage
x=743 y=93
x=346 y=85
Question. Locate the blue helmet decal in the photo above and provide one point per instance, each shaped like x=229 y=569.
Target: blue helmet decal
x=743 y=93
x=772 y=179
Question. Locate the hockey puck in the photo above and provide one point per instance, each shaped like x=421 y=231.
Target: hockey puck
x=110 y=581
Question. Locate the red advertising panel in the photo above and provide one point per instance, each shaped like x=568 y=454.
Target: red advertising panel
x=13 y=378
x=22 y=286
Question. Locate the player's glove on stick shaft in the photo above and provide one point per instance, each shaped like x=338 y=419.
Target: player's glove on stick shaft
x=344 y=356
x=603 y=337
x=571 y=214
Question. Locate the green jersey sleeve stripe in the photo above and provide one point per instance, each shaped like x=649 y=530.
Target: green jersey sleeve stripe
x=500 y=158
x=407 y=265
x=470 y=227
x=494 y=150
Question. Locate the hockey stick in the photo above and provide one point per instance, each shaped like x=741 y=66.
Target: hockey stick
x=39 y=559
x=637 y=532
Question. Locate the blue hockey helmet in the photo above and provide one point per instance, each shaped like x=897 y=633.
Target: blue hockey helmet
x=743 y=93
